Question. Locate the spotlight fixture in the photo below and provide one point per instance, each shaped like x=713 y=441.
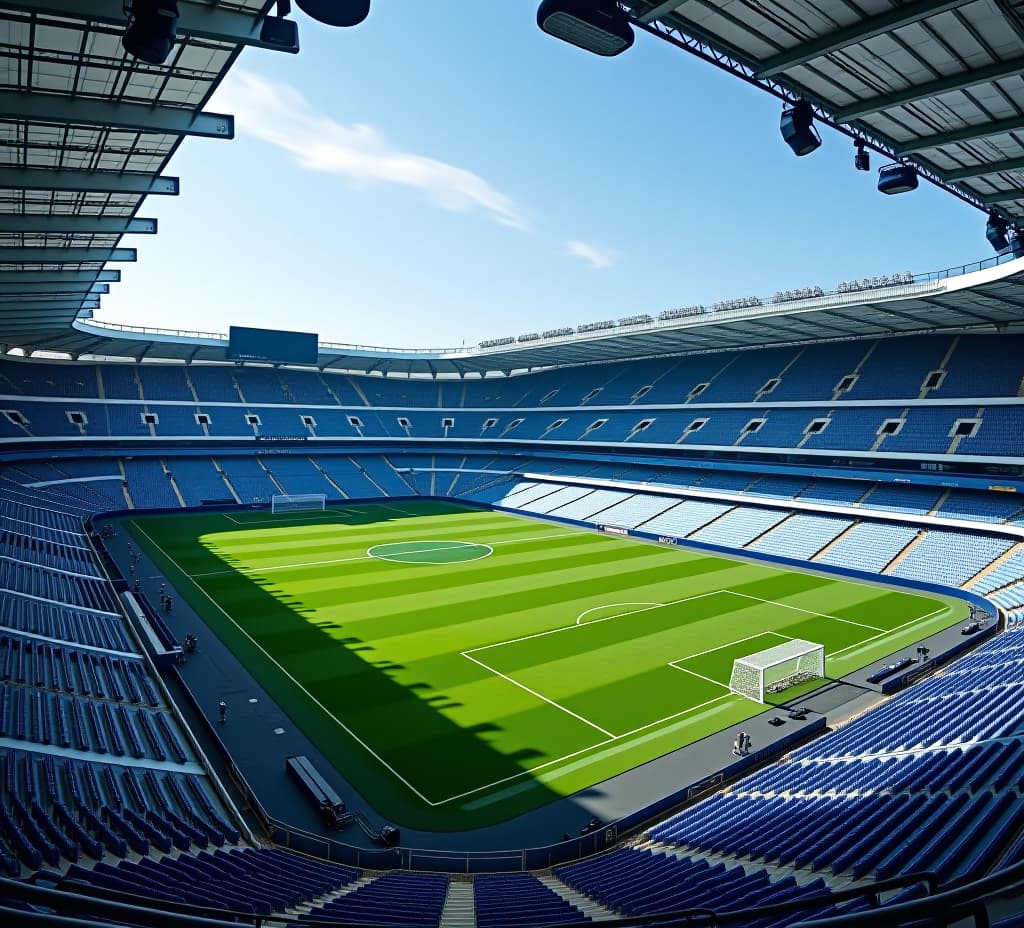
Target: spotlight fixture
x=896 y=178
x=797 y=128
x=995 y=232
x=281 y=32
x=861 y=158
x=152 y=29
x=598 y=26
x=336 y=12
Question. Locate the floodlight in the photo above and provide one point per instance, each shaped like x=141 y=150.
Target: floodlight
x=151 y=29
x=995 y=232
x=598 y=26
x=797 y=128
x=896 y=178
x=336 y=12
x=861 y=158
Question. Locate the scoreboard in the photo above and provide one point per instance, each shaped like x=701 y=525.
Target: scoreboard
x=245 y=344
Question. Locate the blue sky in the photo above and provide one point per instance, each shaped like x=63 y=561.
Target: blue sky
x=446 y=173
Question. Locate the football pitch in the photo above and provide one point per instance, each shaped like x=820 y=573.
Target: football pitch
x=462 y=666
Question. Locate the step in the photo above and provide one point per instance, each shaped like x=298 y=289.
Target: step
x=459 y=906
x=331 y=896
x=594 y=910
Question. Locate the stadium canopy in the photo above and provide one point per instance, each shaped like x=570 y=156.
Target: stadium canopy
x=935 y=83
x=89 y=133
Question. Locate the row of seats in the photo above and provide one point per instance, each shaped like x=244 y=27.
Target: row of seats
x=937 y=555
x=75 y=671
x=905 y=368
x=994 y=431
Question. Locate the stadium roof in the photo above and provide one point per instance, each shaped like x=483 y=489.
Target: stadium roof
x=88 y=133
x=937 y=83
x=985 y=297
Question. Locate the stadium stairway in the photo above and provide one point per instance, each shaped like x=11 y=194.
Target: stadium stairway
x=459 y=906
x=594 y=910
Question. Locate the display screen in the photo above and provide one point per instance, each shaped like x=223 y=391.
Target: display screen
x=246 y=344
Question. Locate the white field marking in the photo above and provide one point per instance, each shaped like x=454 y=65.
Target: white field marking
x=565 y=628
x=369 y=557
x=693 y=673
x=600 y=744
x=454 y=546
x=579 y=618
x=895 y=628
x=820 y=615
x=727 y=645
x=550 y=702
x=274 y=661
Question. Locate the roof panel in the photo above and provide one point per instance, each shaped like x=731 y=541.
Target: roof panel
x=923 y=70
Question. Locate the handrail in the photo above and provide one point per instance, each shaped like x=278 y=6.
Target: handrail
x=767 y=305
x=170 y=914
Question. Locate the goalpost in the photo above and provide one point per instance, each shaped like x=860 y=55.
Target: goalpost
x=299 y=502
x=776 y=669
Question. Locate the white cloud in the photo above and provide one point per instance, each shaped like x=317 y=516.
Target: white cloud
x=596 y=256
x=277 y=113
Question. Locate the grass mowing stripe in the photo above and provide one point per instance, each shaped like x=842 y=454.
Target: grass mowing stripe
x=368 y=656
x=290 y=677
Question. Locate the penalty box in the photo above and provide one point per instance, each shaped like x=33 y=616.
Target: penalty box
x=625 y=668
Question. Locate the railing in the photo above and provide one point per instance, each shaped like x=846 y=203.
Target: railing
x=937 y=909
x=826 y=300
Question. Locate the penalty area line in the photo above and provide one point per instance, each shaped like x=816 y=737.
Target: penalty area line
x=592 y=747
x=644 y=608
x=550 y=702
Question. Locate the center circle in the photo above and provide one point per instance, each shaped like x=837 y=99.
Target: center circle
x=430 y=552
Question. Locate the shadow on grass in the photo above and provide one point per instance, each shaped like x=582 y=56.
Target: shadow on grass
x=391 y=739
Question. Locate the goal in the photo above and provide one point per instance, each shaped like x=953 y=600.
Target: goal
x=776 y=669
x=300 y=502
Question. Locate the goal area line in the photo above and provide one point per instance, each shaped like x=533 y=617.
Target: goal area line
x=596 y=748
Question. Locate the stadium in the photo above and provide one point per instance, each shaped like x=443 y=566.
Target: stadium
x=707 y=615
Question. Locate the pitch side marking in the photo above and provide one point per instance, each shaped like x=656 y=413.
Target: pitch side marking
x=600 y=744
x=820 y=615
x=565 y=628
x=370 y=557
x=319 y=514
x=579 y=618
x=274 y=661
x=550 y=702
x=675 y=664
x=895 y=628
x=466 y=654
x=454 y=546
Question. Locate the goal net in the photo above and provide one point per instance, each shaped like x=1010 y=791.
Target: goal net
x=776 y=669
x=300 y=502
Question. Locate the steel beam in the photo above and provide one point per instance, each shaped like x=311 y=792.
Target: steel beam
x=45 y=309
x=82 y=225
x=8 y=289
x=926 y=91
x=669 y=6
x=66 y=179
x=851 y=35
x=19 y=278
x=44 y=299
x=981 y=170
x=968 y=134
x=1008 y=196
x=199 y=20
x=34 y=106
x=72 y=255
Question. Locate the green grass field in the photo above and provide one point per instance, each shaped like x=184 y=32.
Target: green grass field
x=463 y=666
